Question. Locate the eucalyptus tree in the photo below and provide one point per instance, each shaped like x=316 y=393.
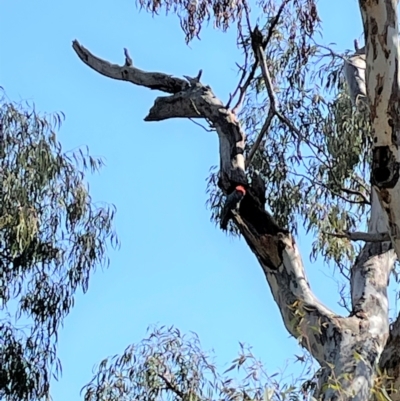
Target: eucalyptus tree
x=296 y=149
x=52 y=237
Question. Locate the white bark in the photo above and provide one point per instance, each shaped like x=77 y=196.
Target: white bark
x=347 y=348
x=189 y=100
x=363 y=335
x=382 y=77
x=274 y=247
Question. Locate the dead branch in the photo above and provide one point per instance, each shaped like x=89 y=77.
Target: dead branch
x=274 y=246
x=188 y=99
x=151 y=80
x=257 y=44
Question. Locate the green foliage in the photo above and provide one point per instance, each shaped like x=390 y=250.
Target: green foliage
x=194 y=13
x=316 y=178
x=168 y=365
x=52 y=236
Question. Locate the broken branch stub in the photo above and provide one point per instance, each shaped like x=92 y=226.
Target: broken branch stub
x=187 y=100
x=273 y=246
x=331 y=339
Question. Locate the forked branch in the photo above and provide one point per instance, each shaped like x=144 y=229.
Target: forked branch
x=273 y=246
x=190 y=99
x=258 y=45
x=331 y=339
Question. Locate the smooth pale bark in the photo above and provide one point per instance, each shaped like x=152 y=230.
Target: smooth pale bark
x=361 y=349
x=380 y=21
x=273 y=246
x=347 y=348
x=382 y=82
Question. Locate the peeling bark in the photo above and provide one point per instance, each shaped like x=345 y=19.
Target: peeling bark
x=390 y=361
x=369 y=281
x=347 y=348
x=382 y=77
x=382 y=82
x=188 y=100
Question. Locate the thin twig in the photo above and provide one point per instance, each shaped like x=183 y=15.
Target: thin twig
x=350 y=191
x=274 y=103
x=195 y=108
x=247 y=13
x=201 y=125
x=244 y=71
x=238 y=87
x=243 y=88
x=356 y=193
x=257 y=142
x=194 y=80
x=332 y=53
x=333 y=192
x=274 y=22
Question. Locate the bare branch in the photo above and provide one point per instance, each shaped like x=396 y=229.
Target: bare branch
x=274 y=247
x=331 y=339
x=200 y=125
x=257 y=142
x=151 y=80
x=187 y=100
x=257 y=43
x=194 y=80
x=361 y=236
x=243 y=89
x=171 y=387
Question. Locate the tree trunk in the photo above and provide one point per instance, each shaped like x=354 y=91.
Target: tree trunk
x=348 y=348
x=382 y=79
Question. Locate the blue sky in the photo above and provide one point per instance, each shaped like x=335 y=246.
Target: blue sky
x=174 y=266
